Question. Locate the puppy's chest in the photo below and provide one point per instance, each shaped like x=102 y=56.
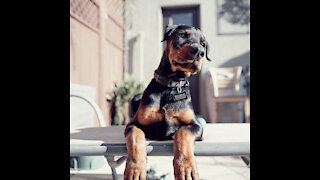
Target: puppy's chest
x=172 y=107
x=178 y=116
x=171 y=115
x=176 y=104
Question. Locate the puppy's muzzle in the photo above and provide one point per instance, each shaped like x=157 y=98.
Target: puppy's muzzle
x=197 y=51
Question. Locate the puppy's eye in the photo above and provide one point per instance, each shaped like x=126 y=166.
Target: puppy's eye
x=203 y=44
x=183 y=35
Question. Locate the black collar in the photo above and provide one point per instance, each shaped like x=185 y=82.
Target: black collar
x=170 y=82
x=178 y=88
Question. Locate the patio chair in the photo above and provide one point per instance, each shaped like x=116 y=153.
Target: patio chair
x=110 y=159
x=94 y=106
x=222 y=85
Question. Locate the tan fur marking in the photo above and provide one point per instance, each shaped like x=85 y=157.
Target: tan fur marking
x=184 y=143
x=171 y=115
x=136 y=164
x=187 y=74
x=200 y=63
x=183 y=149
x=178 y=116
x=186 y=116
x=149 y=115
x=135 y=144
x=181 y=54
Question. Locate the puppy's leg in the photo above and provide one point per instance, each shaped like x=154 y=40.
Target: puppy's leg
x=136 y=166
x=184 y=163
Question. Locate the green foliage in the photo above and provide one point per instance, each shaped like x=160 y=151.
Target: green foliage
x=122 y=93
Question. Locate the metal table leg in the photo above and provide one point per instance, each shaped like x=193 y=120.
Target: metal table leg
x=246 y=159
x=114 y=164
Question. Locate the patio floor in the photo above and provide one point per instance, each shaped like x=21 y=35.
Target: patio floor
x=217 y=168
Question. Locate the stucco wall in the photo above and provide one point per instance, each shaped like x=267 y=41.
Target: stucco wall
x=144 y=20
x=97 y=53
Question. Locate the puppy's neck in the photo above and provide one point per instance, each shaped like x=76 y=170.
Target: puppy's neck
x=164 y=68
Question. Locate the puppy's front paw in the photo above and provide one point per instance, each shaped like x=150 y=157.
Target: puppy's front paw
x=135 y=170
x=185 y=169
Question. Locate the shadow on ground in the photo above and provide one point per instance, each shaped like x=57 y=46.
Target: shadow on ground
x=93 y=176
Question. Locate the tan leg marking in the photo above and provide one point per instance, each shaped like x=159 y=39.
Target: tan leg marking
x=136 y=166
x=184 y=163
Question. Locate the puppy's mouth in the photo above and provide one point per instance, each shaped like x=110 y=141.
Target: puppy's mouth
x=191 y=65
x=183 y=63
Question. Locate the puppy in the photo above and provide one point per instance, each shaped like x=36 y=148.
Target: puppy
x=164 y=111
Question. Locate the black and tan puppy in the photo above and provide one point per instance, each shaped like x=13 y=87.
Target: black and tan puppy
x=165 y=110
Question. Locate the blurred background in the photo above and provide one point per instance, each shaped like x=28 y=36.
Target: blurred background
x=115 y=46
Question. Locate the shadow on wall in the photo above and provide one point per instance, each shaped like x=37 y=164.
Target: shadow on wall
x=242 y=60
x=134 y=59
x=131 y=44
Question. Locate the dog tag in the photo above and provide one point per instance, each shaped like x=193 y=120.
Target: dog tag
x=180 y=96
x=179 y=89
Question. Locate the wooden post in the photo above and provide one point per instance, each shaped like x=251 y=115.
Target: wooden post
x=214 y=113
x=247 y=110
x=236 y=113
x=102 y=28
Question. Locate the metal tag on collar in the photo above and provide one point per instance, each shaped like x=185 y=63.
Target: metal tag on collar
x=179 y=89
x=180 y=96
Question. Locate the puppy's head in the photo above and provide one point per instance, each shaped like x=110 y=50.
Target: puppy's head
x=186 y=46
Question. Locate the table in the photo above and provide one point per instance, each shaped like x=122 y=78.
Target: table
x=219 y=139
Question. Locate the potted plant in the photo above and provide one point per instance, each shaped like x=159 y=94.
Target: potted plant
x=120 y=97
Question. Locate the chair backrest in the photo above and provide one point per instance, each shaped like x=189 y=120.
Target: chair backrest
x=83 y=107
x=95 y=108
x=224 y=81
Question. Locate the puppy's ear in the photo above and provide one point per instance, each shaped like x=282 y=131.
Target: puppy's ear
x=207 y=51
x=169 y=30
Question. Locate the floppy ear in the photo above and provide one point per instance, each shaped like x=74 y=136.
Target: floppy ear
x=207 y=51
x=169 y=30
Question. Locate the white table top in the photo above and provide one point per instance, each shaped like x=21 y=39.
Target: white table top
x=218 y=139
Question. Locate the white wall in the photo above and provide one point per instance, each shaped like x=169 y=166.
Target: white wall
x=145 y=18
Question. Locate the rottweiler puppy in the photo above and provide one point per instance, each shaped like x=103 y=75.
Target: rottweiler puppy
x=165 y=110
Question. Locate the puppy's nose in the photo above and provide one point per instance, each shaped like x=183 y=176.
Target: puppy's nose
x=197 y=51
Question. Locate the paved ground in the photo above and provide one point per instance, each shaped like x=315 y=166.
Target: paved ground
x=210 y=168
